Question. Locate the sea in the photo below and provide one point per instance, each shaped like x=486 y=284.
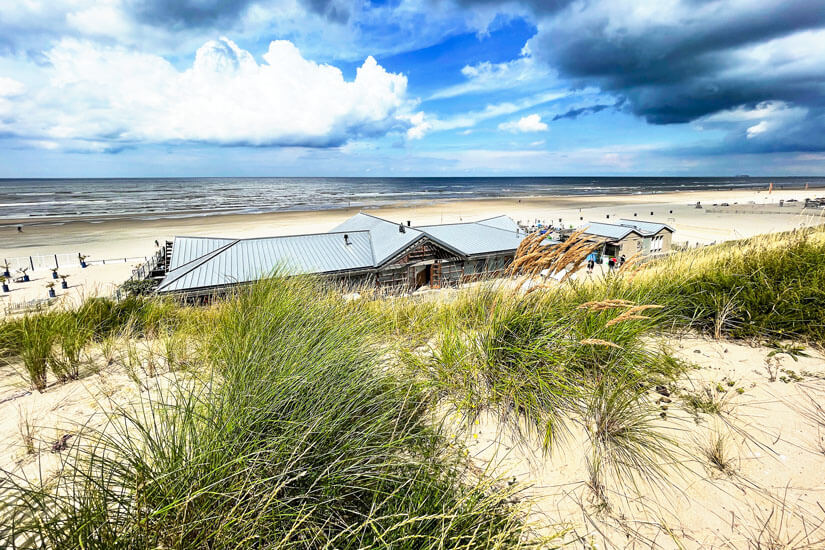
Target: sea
x=59 y=200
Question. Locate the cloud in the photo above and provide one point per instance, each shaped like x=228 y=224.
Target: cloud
x=536 y=6
x=10 y=87
x=492 y=110
x=188 y=13
x=575 y=113
x=687 y=59
x=334 y=10
x=327 y=29
x=529 y=123
x=486 y=76
x=681 y=60
x=118 y=96
x=613 y=159
x=202 y=13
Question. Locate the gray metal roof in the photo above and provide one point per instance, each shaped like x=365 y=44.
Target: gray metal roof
x=473 y=238
x=187 y=249
x=608 y=230
x=387 y=239
x=501 y=222
x=647 y=228
x=201 y=262
x=246 y=260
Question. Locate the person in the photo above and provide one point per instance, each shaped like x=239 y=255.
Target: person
x=591 y=262
x=611 y=263
x=621 y=260
x=157 y=243
x=19 y=228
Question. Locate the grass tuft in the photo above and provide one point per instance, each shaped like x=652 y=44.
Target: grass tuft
x=293 y=437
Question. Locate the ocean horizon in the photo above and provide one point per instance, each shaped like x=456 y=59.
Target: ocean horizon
x=60 y=200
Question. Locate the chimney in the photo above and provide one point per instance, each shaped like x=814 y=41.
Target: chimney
x=401 y=228
x=346 y=239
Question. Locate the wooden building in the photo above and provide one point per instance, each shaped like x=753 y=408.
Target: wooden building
x=363 y=250
x=629 y=237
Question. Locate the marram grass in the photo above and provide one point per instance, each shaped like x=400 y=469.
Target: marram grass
x=292 y=438
x=297 y=426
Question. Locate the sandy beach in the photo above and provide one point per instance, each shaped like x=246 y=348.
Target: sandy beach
x=123 y=243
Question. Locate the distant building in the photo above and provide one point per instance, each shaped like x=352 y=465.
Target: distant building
x=363 y=250
x=629 y=237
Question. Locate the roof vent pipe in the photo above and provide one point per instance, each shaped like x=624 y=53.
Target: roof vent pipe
x=346 y=239
x=401 y=228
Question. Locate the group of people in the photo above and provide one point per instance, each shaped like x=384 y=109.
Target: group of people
x=612 y=263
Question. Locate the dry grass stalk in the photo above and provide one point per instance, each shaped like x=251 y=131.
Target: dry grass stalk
x=606 y=304
x=633 y=314
x=533 y=259
x=626 y=316
x=641 y=308
x=599 y=342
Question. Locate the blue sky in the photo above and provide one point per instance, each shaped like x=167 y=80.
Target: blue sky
x=411 y=87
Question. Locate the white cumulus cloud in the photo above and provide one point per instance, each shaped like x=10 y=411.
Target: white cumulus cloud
x=529 y=123
x=10 y=87
x=119 y=96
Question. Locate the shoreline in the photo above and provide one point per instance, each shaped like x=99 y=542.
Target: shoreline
x=58 y=220
x=117 y=239
x=94 y=236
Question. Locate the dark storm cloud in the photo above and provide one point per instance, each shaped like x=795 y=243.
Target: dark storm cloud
x=575 y=113
x=678 y=71
x=187 y=13
x=333 y=10
x=541 y=7
x=204 y=13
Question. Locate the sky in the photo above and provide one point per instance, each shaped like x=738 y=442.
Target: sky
x=146 y=88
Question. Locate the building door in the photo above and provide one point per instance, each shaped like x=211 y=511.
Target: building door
x=435 y=275
x=421 y=277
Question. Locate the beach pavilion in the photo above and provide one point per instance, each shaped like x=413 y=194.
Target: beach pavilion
x=628 y=237
x=362 y=250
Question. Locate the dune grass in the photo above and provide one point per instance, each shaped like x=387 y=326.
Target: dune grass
x=308 y=421
x=769 y=287
x=54 y=341
x=292 y=438
x=547 y=355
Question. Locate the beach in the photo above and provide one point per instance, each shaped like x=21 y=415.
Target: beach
x=123 y=243
x=724 y=434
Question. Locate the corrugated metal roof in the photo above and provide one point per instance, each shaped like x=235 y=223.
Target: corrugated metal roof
x=473 y=238
x=608 y=230
x=387 y=239
x=187 y=249
x=246 y=260
x=647 y=228
x=501 y=222
x=199 y=262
